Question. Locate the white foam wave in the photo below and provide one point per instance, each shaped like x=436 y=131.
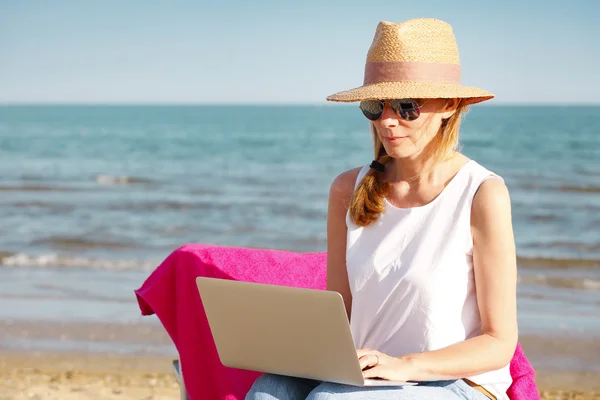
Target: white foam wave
x=119 y=180
x=593 y=284
x=55 y=260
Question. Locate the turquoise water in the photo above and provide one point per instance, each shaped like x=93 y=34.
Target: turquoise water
x=103 y=192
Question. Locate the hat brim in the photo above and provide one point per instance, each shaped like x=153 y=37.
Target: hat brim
x=416 y=90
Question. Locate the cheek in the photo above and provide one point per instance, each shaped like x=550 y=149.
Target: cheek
x=429 y=127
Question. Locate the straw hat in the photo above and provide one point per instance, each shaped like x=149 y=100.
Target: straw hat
x=417 y=58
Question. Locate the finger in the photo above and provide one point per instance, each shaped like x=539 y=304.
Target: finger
x=362 y=352
x=374 y=372
x=368 y=360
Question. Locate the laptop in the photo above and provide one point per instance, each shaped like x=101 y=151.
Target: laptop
x=283 y=330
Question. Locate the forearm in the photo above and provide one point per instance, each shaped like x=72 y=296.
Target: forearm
x=471 y=357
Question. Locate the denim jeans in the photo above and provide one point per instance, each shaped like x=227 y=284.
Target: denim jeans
x=277 y=387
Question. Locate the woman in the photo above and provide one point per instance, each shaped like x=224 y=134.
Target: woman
x=420 y=242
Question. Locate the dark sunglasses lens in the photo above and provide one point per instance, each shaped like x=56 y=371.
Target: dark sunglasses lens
x=372 y=109
x=406 y=109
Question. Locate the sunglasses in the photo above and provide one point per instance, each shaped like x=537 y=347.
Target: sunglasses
x=406 y=109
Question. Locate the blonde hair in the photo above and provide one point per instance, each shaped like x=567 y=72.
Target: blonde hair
x=367 y=200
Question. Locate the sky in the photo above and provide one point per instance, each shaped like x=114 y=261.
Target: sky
x=266 y=52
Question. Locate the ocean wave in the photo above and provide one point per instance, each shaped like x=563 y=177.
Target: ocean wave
x=121 y=180
x=59 y=261
x=32 y=177
x=593 y=284
x=8 y=258
x=562 y=188
x=574 y=246
x=579 y=189
x=542 y=218
x=563 y=283
x=167 y=205
x=40 y=204
x=546 y=262
x=76 y=242
x=35 y=188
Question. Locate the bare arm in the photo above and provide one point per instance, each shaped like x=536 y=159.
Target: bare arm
x=494 y=259
x=340 y=194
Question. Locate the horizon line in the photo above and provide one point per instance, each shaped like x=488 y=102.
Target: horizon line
x=265 y=104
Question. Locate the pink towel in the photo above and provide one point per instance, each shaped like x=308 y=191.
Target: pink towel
x=170 y=292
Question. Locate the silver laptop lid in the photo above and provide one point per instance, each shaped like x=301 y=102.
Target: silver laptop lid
x=282 y=330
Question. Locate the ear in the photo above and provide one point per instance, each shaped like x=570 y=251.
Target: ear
x=450 y=108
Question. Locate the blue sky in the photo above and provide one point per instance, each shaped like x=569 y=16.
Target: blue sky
x=281 y=51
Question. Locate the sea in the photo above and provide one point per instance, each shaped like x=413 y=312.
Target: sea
x=93 y=198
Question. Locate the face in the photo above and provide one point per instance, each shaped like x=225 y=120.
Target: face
x=403 y=138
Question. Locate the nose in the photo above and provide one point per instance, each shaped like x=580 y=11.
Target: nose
x=388 y=118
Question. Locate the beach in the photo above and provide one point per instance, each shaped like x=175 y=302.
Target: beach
x=131 y=130
x=67 y=376
x=92 y=199
x=118 y=381
x=52 y=375
x=82 y=376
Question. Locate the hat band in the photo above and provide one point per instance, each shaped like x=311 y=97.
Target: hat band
x=411 y=71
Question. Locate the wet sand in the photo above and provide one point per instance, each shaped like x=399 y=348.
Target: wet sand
x=81 y=376
x=566 y=368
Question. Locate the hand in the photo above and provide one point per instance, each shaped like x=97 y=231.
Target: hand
x=375 y=364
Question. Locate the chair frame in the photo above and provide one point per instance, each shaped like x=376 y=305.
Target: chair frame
x=178 y=371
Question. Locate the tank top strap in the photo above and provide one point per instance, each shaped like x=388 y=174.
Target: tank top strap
x=361 y=174
x=477 y=175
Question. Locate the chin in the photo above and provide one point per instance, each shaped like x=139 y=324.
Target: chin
x=400 y=152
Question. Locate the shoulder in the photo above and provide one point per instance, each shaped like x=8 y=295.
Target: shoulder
x=344 y=183
x=491 y=202
x=342 y=187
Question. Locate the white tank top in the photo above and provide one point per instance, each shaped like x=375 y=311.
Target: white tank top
x=411 y=276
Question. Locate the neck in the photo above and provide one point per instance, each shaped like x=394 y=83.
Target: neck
x=415 y=168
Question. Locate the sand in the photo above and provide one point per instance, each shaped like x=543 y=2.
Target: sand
x=566 y=368
x=70 y=376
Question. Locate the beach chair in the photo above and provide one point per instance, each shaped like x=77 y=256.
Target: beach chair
x=179 y=376
x=160 y=292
